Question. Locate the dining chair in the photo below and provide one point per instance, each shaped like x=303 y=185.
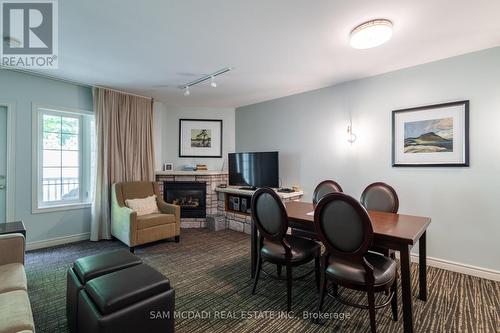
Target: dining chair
x=345 y=229
x=381 y=197
x=324 y=188
x=274 y=245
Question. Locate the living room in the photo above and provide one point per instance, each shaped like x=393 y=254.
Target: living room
x=243 y=166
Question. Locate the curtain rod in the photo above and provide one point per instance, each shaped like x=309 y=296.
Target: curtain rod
x=78 y=83
x=123 y=92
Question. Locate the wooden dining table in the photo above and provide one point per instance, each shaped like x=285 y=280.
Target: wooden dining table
x=391 y=231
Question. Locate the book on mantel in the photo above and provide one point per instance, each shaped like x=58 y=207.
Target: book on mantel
x=201 y=167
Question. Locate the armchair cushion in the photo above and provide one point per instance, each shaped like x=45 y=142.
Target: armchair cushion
x=132 y=190
x=153 y=220
x=12 y=277
x=143 y=206
x=11 y=249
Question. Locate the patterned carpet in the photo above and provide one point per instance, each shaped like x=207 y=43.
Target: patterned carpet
x=210 y=273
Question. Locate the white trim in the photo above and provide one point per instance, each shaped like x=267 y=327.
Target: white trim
x=57 y=241
x=457 y=267
x=59 y=109
x=35 y=158
x=57 y=208
x=10 y=197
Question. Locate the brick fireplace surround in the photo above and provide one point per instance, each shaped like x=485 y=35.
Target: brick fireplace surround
x=217 y=218
x=212 y=180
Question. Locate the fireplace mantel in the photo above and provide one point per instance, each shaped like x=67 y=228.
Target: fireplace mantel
x=218 y=216
x=190 y=173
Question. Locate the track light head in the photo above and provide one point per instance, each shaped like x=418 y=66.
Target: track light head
x=186 y=91
x=213 y=84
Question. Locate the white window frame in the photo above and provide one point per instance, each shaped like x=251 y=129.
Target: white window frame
x=37 y=159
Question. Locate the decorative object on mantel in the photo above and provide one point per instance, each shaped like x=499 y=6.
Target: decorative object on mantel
x=434 y=135
x=189 y=167
x=201 y=167
x=200 y=138
x=168 y=166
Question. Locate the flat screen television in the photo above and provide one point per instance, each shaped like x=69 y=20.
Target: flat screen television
x=254 y=169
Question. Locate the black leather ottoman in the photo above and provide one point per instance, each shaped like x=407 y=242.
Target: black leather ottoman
x=87 y=268
x=135 y=299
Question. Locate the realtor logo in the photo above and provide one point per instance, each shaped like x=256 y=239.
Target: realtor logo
x=30 y=33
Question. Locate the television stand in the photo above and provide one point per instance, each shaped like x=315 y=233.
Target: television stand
x=248 y=188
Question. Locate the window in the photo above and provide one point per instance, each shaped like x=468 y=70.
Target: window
x=65 y=158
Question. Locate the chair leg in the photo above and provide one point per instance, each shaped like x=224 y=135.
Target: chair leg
x=316 y=271
x=278 y=269
x=257 y=273
x=335 y=290
x=394 y=300
x=132 y=249
x=322 y=287
x=288 y=288
x=371 y=308
x=177 y=239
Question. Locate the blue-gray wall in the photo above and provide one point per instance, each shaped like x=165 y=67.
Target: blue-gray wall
x=309 y=130
x=22 y=90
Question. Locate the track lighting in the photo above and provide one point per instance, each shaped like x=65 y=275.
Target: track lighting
x=210 y=77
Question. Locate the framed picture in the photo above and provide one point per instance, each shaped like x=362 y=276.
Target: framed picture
x=200 y=138
x=168 y=166
x=434 y=135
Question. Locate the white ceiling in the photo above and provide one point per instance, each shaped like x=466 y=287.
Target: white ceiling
x=277 y=47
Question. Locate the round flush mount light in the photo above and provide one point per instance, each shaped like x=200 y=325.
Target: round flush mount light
x=371 y=34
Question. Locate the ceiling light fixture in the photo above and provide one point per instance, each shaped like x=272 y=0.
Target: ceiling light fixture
x=371 y=34
x=210 y=77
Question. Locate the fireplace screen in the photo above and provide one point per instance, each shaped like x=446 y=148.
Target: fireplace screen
x=190 y=196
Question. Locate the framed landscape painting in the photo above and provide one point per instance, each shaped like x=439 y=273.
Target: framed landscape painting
x=200 y=138
x=434 y=135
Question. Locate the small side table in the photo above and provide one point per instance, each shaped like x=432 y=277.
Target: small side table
x=13 y=228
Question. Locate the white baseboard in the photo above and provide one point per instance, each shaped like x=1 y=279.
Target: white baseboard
x=57 y=241
x=457 y=267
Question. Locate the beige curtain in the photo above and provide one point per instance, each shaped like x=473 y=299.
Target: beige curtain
x=125 y=152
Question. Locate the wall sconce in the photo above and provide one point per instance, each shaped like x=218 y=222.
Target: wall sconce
x=351 y=137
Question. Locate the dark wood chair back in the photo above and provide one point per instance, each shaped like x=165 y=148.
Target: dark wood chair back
x=343 y=226
x=380 y=196
x=269 y=214
x=324 y=188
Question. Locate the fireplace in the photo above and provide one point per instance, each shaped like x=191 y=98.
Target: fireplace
x=190 y=196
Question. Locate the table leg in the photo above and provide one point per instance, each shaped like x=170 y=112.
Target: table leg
x=422 y=266
x=406 y=289
x=253 y=249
